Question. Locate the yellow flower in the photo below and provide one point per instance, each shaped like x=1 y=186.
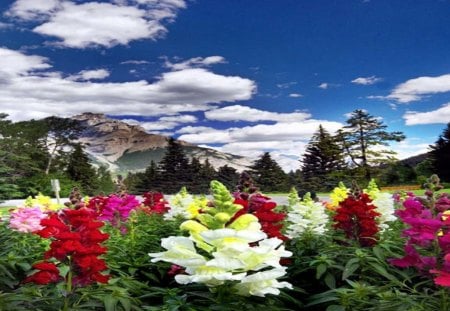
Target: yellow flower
x=338 y=195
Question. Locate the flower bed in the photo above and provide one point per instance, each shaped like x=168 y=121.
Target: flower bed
x=239 y=251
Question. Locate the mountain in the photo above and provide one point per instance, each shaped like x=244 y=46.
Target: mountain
x=414 y=160
x=123 y=147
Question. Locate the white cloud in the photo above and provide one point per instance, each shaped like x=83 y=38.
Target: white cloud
x=285 y=141
x=409 y=147
x=324 y=86
x=92 y=24
x=195 y=62
x=135 y=62
x=14 y=63
x=86 y=75
x=440 y=115
x=286 y=85
x=367 y=80
x=415 y=89
x=33 y=9
x=25 y=87
x=295 y=95
x=257 y=133
x=163 y=123
x=244 y=113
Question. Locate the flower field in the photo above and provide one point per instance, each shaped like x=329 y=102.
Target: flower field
x=363 y=250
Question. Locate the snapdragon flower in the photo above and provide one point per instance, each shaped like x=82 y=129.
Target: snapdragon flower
x=306 y=216
x=26 y=219
x=232 y=249
x=185 y=205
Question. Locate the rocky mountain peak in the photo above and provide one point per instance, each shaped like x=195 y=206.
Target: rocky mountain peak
x=125 y=147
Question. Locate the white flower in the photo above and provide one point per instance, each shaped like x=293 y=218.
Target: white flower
x=225 y=237
x=180 y=251
x=306 y=216
x=180 y=205
x=384 y=204
x=262 y=283
x=211 y=276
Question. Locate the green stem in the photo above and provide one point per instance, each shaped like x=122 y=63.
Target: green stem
x=68 y=288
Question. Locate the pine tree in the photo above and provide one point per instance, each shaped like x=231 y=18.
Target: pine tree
x=440 y=155
x=322 y=162
x=360 y=139
x=268 y=175
x=149 y=180
x=228 y=176
x=174 y=168
x=79 y=169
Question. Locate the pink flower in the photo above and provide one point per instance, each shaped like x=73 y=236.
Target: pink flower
x=117 y=209
x=26 y=219
x=443 y=278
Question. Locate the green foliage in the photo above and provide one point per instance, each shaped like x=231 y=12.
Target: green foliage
x=80 y=170
x=18 y=252
x=397 y=173
x=268 y=175
x=173 y=168
x=323 y=162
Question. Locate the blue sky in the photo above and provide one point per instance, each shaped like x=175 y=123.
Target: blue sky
x=241 y=76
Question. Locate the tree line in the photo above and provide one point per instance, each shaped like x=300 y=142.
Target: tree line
x=34 y=152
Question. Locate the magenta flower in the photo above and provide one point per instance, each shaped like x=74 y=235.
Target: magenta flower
x=423 y=231
x=443 y=202
x=117 y=209
x=414 y=259
x=26 y=219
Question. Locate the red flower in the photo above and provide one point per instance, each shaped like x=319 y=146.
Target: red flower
x=154 y=203
x=48 y=273
x=356 y=217
x=76 y=241
x=261 y=207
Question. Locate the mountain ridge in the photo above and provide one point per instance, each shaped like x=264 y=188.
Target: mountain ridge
x=123 y=147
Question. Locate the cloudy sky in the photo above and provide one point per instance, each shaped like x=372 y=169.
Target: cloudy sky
x=241 y=76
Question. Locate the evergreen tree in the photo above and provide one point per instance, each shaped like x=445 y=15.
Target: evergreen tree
x=79 y=169
x=148 y=180
x=268 y=175
x=196 y=181
x=228 y=176
x=105 y=182
x=360 y=139
x=440 y=155
x=174 y=168
x=16 y=159
x=322 y=162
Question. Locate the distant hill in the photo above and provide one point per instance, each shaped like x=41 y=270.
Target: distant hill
x=414 y=160
x=129 y=148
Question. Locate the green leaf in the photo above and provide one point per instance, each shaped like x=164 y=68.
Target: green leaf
x=320 y=270
x=378 y=252
x=381 y=270
x=110 y=303
x=350 y=267
x=330 y=280
x=335 y=308
x=125 y=303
